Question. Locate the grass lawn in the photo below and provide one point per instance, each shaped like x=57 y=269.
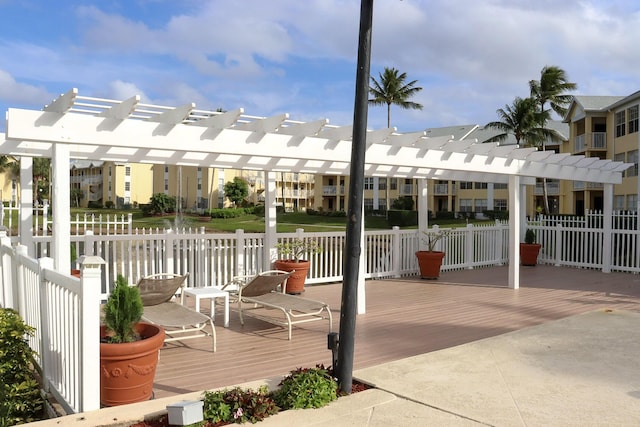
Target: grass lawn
x=287 y=222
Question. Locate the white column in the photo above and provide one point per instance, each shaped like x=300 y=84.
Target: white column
x=423 y=205
x=61 y=210
x=362 y=299
x=26 y=203
x=606 y=228
x=515 y=222
x=270 y=223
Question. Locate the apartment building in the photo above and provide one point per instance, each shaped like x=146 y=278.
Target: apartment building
x=605 y=127
x=111 y=183
x=203 y=188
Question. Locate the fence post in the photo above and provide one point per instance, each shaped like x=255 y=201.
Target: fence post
x=468 y=252
x=130 y=222
x=169 y=252
x=240 y=251
x=44 y=326
x=498 y=241
x=91 y=280
x=558 y=241
x=396 y=255
x=8 y=266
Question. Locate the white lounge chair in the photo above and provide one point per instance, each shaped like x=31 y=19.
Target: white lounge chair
x=257 y=293
x=179 y=321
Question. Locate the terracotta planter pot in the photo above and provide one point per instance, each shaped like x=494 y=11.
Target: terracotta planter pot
x=127 y=370
x=295 y=282
x=529 y=253
x=429 y=263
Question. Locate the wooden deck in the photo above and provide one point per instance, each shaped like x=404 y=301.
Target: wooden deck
x=405 y=317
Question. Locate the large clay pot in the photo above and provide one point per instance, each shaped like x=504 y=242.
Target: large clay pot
x=429 y=263
x=127 y=370
x=295 y=282
x=529 y=253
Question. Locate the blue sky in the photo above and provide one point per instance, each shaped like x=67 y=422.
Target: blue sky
x=299 y=57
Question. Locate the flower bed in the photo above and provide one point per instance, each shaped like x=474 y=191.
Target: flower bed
x=302 y=388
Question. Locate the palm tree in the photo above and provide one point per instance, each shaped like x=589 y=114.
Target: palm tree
x=551 y=89
x=521 y=119
x=391 y=89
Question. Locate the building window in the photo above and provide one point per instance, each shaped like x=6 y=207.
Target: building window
x=109 y=170
x=466 y=205
x=368 y=204
x=632 y=157
x=382 y=183
x=500 y=186
x=166 y=185
x=480 y=185
x=368 y=183
x=632 y=202
x=633 y=119
x=127 y=171
x=127 y=186
x=466 y=185
x=618 y=203
x=480 y=205
x=393 y=183
x=500 y=204
x=620 y=131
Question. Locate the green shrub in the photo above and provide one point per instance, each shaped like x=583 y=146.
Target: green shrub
x=306 y=388
x=530 y=237
x=238 y=406
x=122 y=311
x=20 y=400
x=402 y=218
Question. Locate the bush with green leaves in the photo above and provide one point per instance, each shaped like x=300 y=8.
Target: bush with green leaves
x=238 y=405
x=306 y=388
x=122 y=311
x=20 y=399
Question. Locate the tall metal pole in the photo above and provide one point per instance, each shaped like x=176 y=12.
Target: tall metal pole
x=348 y=309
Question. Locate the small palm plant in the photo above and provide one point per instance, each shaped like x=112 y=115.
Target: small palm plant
x=122 y=311
x=434 y=236
x=296 y=248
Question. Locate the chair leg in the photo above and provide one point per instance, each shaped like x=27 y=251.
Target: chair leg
x=213 y=336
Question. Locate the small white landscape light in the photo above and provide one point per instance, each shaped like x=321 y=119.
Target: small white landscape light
x=185 y=412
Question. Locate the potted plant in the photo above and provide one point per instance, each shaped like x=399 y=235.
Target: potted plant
x=292 y=252
x=128 y=348
x=430 y=260
x=529 y=250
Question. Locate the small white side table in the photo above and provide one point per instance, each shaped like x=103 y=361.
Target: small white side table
x=213 y=293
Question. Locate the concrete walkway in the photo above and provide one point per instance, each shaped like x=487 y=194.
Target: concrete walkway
x=583 y=371
x=579 y=371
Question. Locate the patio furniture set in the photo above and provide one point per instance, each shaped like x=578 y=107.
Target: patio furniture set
x=261 y=296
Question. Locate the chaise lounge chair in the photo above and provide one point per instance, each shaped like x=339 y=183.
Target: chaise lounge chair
x=179 y=321
x=257 y=295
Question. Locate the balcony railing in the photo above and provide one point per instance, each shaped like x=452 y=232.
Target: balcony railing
x=596 y=141
x=553 y=188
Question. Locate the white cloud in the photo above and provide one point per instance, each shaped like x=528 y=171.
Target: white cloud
x=14 y=92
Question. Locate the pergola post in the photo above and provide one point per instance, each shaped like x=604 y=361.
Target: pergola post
x=26 y=204
x=61 y=210
x=514 y=231
x=607 y=228
x=270 y=222
x=423 y=208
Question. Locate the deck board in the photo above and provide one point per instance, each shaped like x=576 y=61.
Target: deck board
x=405 y=317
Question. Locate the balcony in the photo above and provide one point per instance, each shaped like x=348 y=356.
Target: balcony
x=329 y=190
x=590 y=141
x=406 y=189
x=441 y=189
x=553 y=188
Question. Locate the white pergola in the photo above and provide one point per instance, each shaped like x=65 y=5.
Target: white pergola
x=81 y=127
